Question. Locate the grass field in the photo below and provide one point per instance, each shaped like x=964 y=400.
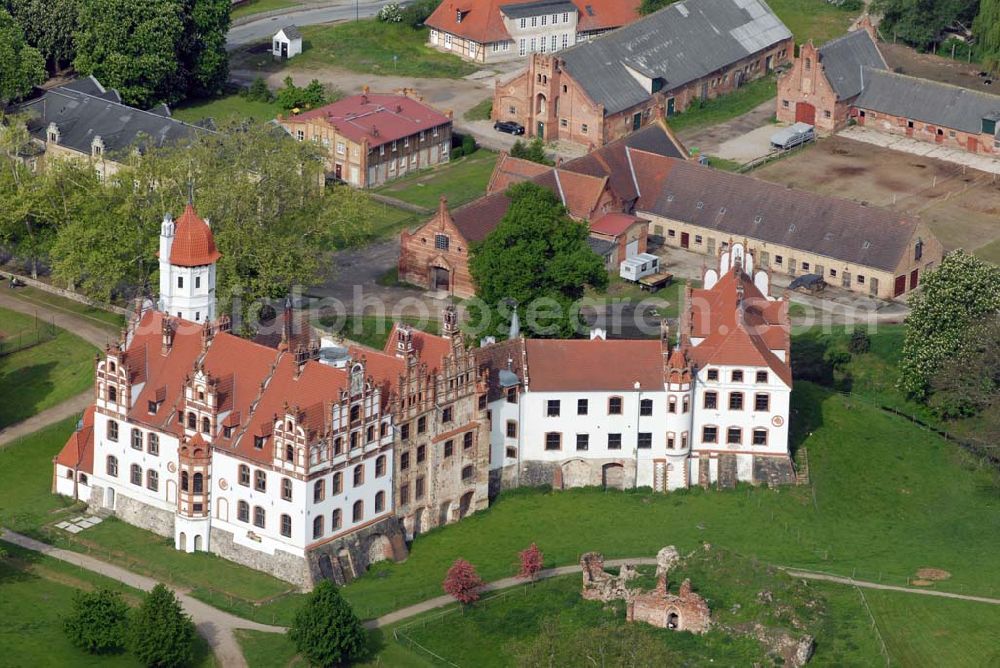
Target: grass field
x=461 y=181
x=365 y=46
x=228 y=107
x=35 y=594
x=99 y=316
x=813 y=19
x=258 y=6
x=724 y=107
x=990 y=251
x=43 y=375
x=372 y=331
x=481 y=111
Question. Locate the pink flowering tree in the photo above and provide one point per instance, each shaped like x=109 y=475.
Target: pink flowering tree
x=462 y=582
x=531 y=562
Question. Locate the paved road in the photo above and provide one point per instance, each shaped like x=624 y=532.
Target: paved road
x=215 y=625
x=91 y=331
x=264 y=28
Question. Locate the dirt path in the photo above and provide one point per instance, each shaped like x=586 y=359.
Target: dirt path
x=812 y=575
x=87 y=329
x=214 y=625
x=709 y=138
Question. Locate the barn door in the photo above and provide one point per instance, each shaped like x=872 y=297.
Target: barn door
x=805 y=113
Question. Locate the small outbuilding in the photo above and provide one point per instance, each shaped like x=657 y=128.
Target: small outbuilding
x=287 y=43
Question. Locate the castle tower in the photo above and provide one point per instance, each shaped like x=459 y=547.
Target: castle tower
x=187 y=267
x=680 y=412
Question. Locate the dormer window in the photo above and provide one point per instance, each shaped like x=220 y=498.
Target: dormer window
x=153 y=407
x=52 y=133
x=458 y=16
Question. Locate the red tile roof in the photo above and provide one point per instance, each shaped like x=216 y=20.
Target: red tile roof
x=78 y=452
x=566 y=365
x=510 y=170
x=377 y=119
x=482 y=21
x=614 y=224
x=194 y=244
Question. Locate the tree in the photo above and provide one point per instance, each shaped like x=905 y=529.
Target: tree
x=968 y=382
x=161 y=634
x=203 y=51
x=326 y=631
x=920 y=23
x=531 y=562
x=533 y=151
x=538 y=257
x=21 y=66
x=415 y=13
x=986 y=29
x=311 y=96
x=48 y=26
x=650 y=6
x=132 y=46
x=462 y=582
x=954 y=299
x=98 y=621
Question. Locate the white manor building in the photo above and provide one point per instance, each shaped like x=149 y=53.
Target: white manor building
x=711 y=410
x=309 y=467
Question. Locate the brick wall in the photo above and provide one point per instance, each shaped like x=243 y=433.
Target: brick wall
x=422 y=261
x=926 y=132
x=804 y=92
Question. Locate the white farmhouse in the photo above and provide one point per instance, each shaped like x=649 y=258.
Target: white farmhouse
x=287 y=43
x=710 y=409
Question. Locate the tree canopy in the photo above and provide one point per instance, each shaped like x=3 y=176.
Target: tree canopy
x=21 y=65
x=161 y=634
x=534 y=151
x=955 y=299
x=650 y=6
x=462 y=582
x=986 y=29
x=539 y=257
x=272 y=217
x=326 y=631
x=98 y=621
x=920 y=23
x=154 y=51
x=48 y=26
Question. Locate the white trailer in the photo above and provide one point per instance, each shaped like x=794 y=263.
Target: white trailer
x=643 y=264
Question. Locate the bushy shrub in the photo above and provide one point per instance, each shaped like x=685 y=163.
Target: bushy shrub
x=98 y=622
x=309 y=97
x=533 y=151
x=419 y=11
x=391 y=13
x=469 y=145
x=860 y=342
x=161 y=634
x=257 y=91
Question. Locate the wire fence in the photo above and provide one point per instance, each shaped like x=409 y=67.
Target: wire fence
x=40 y=333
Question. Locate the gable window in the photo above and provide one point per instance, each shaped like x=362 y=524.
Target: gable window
x=645 y=440
x=552 y=408
x=734 y=436
x=735 y=401
x=553 y=440
x=614 y=441
x=441 y=241
x=583 y=441
x=646 y=407
x=762 y=402
x=709 y=434
x=615 y=406
x=286 y=526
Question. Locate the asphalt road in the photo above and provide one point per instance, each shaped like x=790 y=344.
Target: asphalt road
x=262 y=29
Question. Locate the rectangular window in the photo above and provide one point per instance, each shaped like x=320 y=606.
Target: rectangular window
x=446 y=414
x=734 y=436
x=737 y=376
x=404 y=431
x=711 y=400
x=511 y=452
x=404 y=494
x=583 y=128
x=735 y=401
x=153 y=442
x=552 y=408
x=404 y=461
x=419 y=489
x=421 y=424
x=761 y=377
x=441 y=241
x=583 y=441
x=713 y=374
x=260 y=481
x=760 y=436
x=565 y=40
x=709 y=434
x=762 y=402
x=449 y=448
x=553 y=440
x=523 y=22
x=467 y=440
x=545 y=20
x=152 y=480
x=614 y=441
x=645 y=440
x=180 y=281
x=421 y=453
x=778 y=259
x=615 y=406
x=136 y=439
x=511 y=395
x=646 y=407
x=520 y=51
x=582 y=406
x=511 y=429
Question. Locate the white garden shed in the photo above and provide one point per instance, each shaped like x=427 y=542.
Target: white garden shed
x=287 y=43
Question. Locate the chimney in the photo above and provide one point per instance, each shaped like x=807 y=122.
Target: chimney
x=399 y=108
x=449 y=321
x=207 y=334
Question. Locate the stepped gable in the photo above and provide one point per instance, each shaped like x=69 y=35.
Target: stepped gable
x=429 y=348
x=384 y=369
x=194 y=243
x=78 y=453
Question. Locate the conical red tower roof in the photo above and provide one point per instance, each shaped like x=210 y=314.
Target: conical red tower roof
x=194 y=244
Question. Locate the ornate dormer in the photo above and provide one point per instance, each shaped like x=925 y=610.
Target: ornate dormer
x=449 y=321
x=97 y=147
x=52 y=133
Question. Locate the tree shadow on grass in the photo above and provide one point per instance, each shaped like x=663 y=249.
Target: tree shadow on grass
x=806 y=413
x=28 y=387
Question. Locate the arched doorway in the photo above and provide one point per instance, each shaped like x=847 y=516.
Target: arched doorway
x=444 y=515
x=182 y=542
x=379 y=549
x=440 y=279
x=222 y=509
x=575 y=473
x=673 y=620
x=464 y=504
x=805 y=113
x=614 y=476
x=109 y=498
x=197 y=543
x=541 y=104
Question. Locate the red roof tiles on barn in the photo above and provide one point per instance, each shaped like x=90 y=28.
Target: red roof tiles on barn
x=377 y=119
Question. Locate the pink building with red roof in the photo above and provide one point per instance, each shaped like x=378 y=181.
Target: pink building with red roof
x=373 y=138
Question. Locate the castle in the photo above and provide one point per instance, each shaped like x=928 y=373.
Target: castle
x=313 y=462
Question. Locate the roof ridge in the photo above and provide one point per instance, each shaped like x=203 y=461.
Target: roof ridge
x=61 y=90
x=933 y=82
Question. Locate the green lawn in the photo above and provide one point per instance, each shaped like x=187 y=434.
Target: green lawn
x=113 y=321
x=258 y=6
x=366 y=46
x=461 y=181
x=26 y=478
x=813 y=19
x=725 y=107
x=35 y=594
x=388 y=221
x=373 y=331
x=480 y=112
x=225 y=108
x=43 y=375
x=990 y=251
x=271 y=650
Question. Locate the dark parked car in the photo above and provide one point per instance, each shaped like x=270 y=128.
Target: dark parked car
x=510 y=127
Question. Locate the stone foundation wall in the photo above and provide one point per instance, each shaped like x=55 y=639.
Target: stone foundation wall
x=346 y=558
x=137 y=513
x=773 y=470
x=281 y=565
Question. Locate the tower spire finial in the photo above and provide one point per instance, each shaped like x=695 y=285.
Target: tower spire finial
x=190 y=191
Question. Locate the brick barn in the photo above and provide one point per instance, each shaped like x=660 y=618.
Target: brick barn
x=599 y=91
x=848 y=79
x=597 y=188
